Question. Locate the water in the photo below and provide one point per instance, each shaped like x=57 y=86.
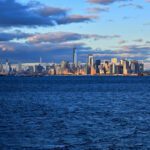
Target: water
x=74 y=113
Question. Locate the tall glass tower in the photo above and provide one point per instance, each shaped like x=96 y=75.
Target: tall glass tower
x=74 y=57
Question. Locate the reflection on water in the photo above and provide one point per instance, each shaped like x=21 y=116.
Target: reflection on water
x=73 y=113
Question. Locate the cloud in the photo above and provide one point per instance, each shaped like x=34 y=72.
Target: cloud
x=147 y=42
x=138 y=40
x=98 y=9
x=16 y=14
x=75 y=18
x=59 y=37
x=122 y=42
x=131 y=5
x=8 y=36
x=47 y=11
x=126 y=18
x=105 y=2
x=28 y=52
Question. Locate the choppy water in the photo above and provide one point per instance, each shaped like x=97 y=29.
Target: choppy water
x=74 y=113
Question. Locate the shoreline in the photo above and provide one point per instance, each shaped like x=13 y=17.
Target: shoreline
x=74 y=75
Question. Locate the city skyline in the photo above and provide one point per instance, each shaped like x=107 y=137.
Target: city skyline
x=106 y=29
x=93 y=66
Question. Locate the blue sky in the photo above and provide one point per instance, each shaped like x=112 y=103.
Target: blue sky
x=50 y=28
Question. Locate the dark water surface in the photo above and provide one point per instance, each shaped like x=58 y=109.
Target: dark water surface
x=74 y=113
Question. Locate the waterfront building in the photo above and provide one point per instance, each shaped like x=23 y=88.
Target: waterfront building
x=126 y=67
x=102 y=69
x=97 y=66
x=119 y=69
x=58 y=69
x=7 y=67
x=75 y=57
x=114 y=60
x=64 y=64
x=48 y=67
x=19 y=68
x=1 y=67
x=141 y=68
x=91 y=60
x=30 y=70
x=134 y=67
x=52 y=71
x=107 y=67
x=90 y=68
x=39 y=69
x=113 y=69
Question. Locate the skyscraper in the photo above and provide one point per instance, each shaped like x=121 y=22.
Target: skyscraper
x=90 y=68
x=8 y=67
x=90 y=61
x=141 y=68
x=97 y=64
x=114 y=60
x=74 y=57
x=113 y=68
x=134 y=67
x=1 y=67
x=126 y=67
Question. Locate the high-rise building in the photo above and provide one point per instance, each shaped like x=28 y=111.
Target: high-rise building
x=119 y=69
x=91 y=60
x=113 y=69
x=141 y=68
x=134 y=67
x=30 y=70
x=114 y=60
x=126 y=67
x=1 y=67
x=7 y=67
x=58 y=69
x=64 y=65
x=39 y=69
x=107 y=67
x=97 y=66
x=19 y=68
x=74 y=57
x=90 y=66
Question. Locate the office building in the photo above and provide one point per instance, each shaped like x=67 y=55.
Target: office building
x=141 y=68
x=39 y=69
x=1 y=67
x=97 y=66
x=91 y=60
x=126 y=67
x=74 y=57
x=7 y=67
x=90 y=66
x=134 y=67
x=113 y=69
x=114 y=61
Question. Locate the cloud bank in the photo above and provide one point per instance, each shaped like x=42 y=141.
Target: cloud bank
x=16 y=14
x=104 y=2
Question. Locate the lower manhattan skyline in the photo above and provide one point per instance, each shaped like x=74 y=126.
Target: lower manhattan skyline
x=93 y=66
x=106 y=29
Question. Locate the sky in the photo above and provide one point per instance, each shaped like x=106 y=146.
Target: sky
x=30 y=29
